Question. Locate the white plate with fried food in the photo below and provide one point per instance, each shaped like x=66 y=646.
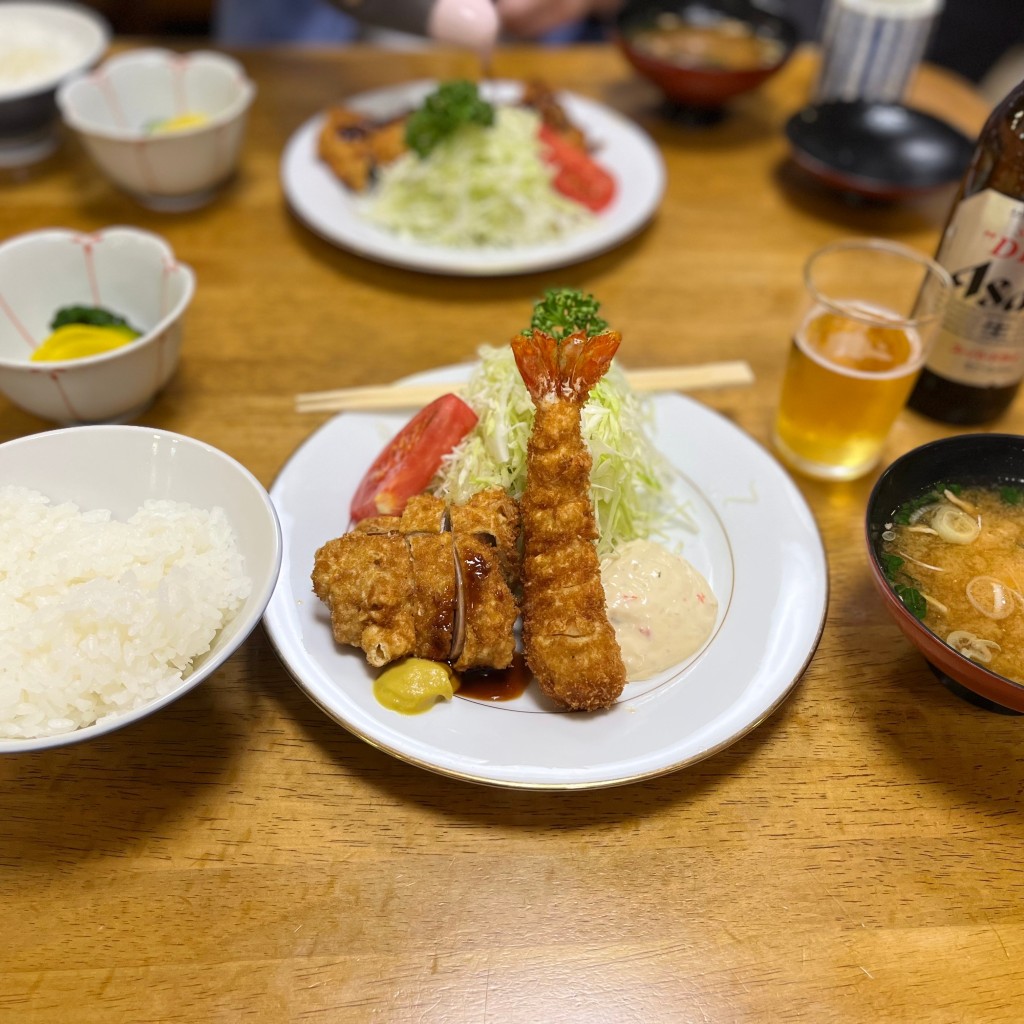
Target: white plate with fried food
x=337 y=213
x=750 y=534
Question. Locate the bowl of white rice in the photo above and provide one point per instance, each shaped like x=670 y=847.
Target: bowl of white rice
x=41 y=45
x=133 y=563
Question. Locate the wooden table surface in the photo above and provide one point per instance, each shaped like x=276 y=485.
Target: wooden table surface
x=240 y=857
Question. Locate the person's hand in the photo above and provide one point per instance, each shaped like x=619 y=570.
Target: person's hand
x=532 y=18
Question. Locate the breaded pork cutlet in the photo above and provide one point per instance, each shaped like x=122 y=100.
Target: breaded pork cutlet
x=435 y=582
x=355 y=146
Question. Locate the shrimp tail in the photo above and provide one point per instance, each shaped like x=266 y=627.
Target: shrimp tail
x=566 y=368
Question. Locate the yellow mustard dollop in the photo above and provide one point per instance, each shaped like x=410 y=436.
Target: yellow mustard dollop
x=414 y=686
x=178 y=123
x=76 y=341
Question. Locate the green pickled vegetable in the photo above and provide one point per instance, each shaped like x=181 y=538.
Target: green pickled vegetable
x=94 y=316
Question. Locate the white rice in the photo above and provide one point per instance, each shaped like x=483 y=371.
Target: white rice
x=32 y=53
x=97 y=616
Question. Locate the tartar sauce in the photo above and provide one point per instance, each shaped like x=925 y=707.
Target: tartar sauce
x=661 y=608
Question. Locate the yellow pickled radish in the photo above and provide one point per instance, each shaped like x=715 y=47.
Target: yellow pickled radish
x=77 y=341
x=178 y=123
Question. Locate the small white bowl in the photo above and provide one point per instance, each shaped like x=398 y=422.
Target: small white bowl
x=130 y=272
x=120 y=467
x=113 y=109
x=41 y=45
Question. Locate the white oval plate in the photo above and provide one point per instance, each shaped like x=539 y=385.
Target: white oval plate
x=328 y=208
x=757 y=544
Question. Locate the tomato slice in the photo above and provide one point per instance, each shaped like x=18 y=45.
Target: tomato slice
x=409 y=461
x=577 y=176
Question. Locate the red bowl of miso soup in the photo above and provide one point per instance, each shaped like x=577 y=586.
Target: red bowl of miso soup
x=945 y=535
x=702 y=53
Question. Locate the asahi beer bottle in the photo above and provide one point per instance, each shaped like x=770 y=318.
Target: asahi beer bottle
x=977 y=361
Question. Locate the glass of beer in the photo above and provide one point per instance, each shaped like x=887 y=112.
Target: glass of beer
x=870 y=310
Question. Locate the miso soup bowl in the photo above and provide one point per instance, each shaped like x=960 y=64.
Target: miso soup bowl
x=970 y=459
x=705 y=86
x=129 y=272
x=115 y=111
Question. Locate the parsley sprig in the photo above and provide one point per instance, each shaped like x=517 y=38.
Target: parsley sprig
x=564 y=310
x=448 y=108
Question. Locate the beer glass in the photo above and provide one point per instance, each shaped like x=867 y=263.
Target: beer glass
x=870 y=309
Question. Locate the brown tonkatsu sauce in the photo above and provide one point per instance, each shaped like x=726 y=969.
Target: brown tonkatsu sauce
x=495 y=684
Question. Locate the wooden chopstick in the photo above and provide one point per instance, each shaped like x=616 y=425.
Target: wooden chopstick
x=409 y=396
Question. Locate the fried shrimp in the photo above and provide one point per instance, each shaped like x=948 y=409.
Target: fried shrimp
x=569 y=644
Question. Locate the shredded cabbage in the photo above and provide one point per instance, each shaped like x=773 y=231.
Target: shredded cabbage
x=481 y=186
x=630 y=483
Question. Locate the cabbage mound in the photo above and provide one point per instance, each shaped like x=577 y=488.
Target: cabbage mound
x=481 y=186
x=630 y=480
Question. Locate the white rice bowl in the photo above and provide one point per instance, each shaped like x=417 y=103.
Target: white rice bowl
x=133 y=562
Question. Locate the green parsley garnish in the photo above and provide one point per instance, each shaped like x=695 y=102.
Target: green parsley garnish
x=564 y=310
x=1011 y=495
x=448 y=108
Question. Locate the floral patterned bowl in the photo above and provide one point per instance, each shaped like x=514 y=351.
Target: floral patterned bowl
x=165 y=127
x=130 y=272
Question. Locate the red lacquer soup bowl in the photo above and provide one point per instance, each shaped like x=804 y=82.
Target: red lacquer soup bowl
x=705 y=74
x=970 y=460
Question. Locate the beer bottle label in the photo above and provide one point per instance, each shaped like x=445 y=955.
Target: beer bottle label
x=981 y=341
